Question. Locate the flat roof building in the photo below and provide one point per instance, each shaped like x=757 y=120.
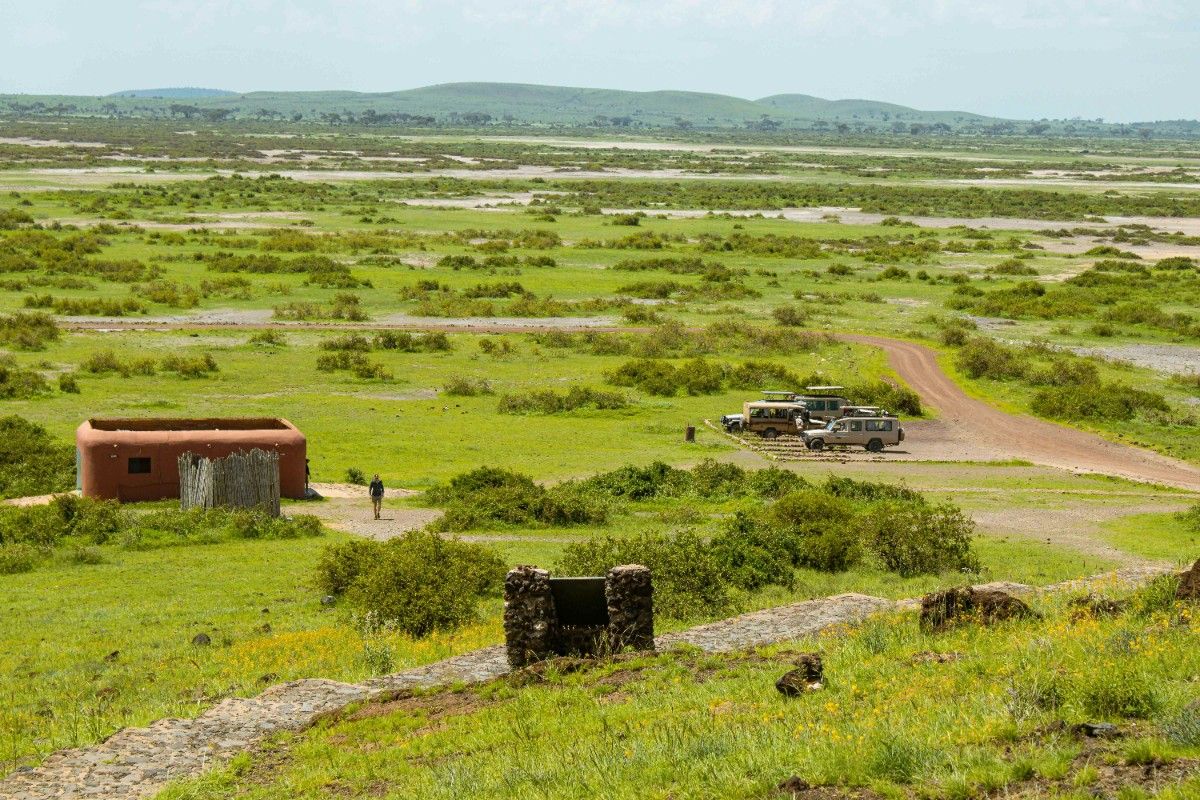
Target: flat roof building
x=138 y=459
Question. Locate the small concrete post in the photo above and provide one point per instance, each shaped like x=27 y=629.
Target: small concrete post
x=530 y=622
x=630 y=596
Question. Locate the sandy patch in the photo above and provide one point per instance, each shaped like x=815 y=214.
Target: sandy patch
x=1176 y=359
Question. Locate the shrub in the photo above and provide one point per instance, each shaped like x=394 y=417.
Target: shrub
x=490 y=496
x=420 y=582
x=547 y=401
x=1113 y=401
x=460 y=386
x=18 y=557
x=897 y=399
x=68 y=383
x=869 y=491
x=711 y=479
x=267 y=339
x=190 y=367
x=791 y=316
x=641 y=483
x=753 y=556
x=760 y=374
x=28 y=331
x=1176 y=262
x=355 y=476
x=688 y=580
x=20 y=384
x=31 y=461
x=816 y=530
x=772 y=483
x=983 y=358
x=339 y=565
x=916 y=539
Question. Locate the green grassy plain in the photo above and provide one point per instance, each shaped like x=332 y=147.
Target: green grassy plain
x=904 y=713
x=62 y=683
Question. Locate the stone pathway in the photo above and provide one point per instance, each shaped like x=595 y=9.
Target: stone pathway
x=138 y=762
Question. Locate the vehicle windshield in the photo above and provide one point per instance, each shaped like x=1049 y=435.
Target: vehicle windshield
x=829 y=425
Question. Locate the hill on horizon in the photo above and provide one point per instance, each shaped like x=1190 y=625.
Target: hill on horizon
x=478 y=104
x=175 y=93
x=535 y=103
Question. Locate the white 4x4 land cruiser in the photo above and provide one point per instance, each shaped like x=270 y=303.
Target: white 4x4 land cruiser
x=873 y=433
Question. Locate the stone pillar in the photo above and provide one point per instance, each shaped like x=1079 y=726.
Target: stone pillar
x=630 y=596
x=529 y=619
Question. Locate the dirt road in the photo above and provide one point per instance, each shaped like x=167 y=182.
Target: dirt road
x=1020 y=436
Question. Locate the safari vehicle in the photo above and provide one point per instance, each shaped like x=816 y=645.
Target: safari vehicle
x=823 y=402
x=872 y=433
x=770 y=419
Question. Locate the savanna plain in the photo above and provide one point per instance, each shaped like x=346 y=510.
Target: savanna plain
x=515 y=332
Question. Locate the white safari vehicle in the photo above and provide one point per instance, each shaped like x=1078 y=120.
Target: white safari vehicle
x=872 y=433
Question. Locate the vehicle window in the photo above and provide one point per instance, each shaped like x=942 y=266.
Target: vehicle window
x=756 y=412
x=829 y=425
x=887 y=425
x=834 y=405
x=856 y=426
x=872 y=424
x=816 y=405
x=839 y=427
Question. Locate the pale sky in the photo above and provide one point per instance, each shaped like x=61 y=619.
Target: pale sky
x=1122 y=60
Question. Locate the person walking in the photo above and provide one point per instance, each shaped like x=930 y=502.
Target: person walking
x=376 y=489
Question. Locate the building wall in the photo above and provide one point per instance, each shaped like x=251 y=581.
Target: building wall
x=104 y=458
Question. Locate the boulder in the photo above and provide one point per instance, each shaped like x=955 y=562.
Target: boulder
x=941 y=610
x=201 y=640
x=1189 y=583
x=808 y=676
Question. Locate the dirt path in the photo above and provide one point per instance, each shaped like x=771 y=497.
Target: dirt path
x=1021 y=436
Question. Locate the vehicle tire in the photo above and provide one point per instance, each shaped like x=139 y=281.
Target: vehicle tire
x=816 y=444
x=770 y=433
x=875 y=446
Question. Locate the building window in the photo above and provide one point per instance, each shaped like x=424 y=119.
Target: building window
x=139 y=466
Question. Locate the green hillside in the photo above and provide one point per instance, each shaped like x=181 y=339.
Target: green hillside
x=803 y=106
x=477 y=104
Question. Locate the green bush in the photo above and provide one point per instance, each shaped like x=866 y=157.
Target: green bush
x=916 y=539
x=18 y=557
x=688 y=579
x=752 y=556
x=420 y=582
x=816 y=529
x=488 y=496
x=31 y=461
x=339 y=565
x=462 y=386
x=548 y=401
x=28 y=331
x=1109 y=401
x=641 y=483
x=896 y=399
x=983 y=358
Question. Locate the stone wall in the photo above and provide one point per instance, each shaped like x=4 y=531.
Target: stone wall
x=532 y=631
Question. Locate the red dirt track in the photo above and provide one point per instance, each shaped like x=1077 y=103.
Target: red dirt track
x=1021 y=436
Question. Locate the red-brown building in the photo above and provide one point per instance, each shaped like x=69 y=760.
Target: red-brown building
x=138 y=459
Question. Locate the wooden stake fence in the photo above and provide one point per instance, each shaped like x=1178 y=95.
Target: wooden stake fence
x=240 y=480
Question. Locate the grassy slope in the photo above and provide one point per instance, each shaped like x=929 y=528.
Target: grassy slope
x=528 y=103
x=891 y=717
